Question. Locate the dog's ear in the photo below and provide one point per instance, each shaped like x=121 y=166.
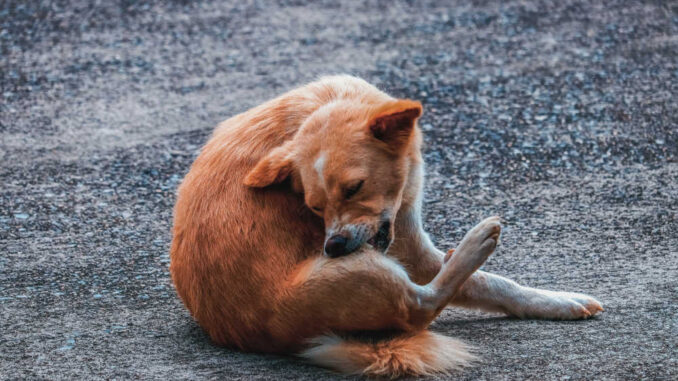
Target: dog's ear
x=271 y=169
x=394 y=122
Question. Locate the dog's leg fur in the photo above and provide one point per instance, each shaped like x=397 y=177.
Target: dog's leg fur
x=495 y=293
x=483 y=290
x=369 y=291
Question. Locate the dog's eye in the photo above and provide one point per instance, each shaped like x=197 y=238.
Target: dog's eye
x=352 y=190
x=317 y=209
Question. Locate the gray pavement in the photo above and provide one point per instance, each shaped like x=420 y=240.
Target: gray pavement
x=560 y=116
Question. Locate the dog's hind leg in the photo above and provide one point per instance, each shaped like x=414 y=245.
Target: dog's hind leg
x=369 y=291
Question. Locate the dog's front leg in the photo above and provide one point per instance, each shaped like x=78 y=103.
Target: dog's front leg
x=413 y=247
x=483 y=290
x=494 y=293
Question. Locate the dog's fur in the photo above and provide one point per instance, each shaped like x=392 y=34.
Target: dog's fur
x=277 y=184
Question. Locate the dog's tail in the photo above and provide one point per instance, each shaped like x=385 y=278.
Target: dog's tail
x=415 y=354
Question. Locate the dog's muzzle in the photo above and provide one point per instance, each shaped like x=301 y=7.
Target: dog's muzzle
x=336 y=246
x=339 y=245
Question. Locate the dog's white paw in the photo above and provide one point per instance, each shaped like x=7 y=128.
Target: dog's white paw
x=560 y=305
x=482 y=237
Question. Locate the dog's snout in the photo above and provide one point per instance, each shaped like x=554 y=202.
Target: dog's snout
x=336 y=246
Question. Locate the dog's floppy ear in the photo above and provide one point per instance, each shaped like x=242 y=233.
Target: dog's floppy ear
x=394 y=122
x=271 y=169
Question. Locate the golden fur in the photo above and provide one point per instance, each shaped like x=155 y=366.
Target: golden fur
x=268 y=192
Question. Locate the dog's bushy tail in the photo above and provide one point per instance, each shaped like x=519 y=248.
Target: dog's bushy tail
x=415 y=354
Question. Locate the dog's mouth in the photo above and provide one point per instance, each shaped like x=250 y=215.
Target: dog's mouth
x=382 y=239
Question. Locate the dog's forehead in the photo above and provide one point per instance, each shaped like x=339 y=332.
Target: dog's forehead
x=319 y=162
x=319 y=166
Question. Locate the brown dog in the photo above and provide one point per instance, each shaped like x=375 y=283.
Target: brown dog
x=333 y=167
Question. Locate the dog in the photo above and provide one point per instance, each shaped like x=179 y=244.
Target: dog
x=298 y=229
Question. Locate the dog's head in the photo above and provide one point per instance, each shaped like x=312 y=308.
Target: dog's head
x=350 y=162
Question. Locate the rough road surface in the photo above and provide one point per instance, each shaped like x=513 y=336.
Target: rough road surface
x=560 y=116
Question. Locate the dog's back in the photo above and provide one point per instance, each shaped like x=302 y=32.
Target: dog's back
x=333 y=166
x=233 y=246
x=247 y=253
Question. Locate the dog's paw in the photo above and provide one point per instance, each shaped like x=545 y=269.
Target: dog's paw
x=558 y=305
x=483 y=237
x=471 y=253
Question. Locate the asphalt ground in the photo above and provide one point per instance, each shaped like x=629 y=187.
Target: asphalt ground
x=560 y=116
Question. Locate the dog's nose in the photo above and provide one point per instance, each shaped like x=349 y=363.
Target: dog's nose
x=336 y=246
